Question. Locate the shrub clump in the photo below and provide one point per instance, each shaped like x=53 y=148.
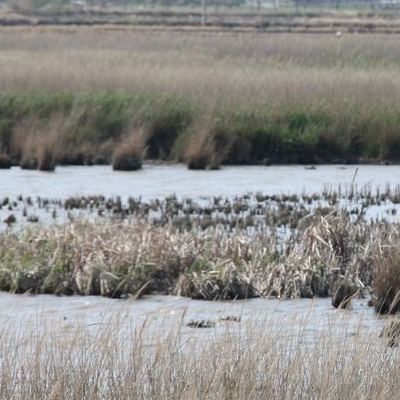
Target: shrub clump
x=215 y=286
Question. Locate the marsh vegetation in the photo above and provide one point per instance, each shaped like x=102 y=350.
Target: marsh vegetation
x=255 y=245
x=204 y=99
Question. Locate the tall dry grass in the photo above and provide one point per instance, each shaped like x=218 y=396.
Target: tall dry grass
x=385 y=260
x=252 y=66
x=264 y=359
x=38 y=143
x=203 y=150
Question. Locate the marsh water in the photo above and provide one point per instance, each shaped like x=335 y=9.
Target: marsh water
x=154 y=181
x=303 y=319
x=157 y=181
x=161 y=312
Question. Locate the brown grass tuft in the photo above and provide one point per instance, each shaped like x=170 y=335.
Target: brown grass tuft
x=387 y=280
x=48 y=142
x=129 y=153
x=36 y=142
x=344 y=292
x=23 y=144
x=5 y=161
x=202 y=151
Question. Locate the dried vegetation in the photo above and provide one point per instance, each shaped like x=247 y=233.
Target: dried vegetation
x=262 y=360
x=129 y=153
x=264 y=247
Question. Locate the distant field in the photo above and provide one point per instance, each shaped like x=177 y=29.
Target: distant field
x=361 y=18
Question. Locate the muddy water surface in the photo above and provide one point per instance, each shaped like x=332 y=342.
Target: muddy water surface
x=161 y=181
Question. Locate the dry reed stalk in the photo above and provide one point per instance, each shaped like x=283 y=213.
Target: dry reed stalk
x=386 y=274
x=23 y=143
x=203 y=151
x=49 y=142
x=200 y=150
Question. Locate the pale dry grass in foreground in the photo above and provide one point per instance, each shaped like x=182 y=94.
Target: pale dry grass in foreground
x=270 y=361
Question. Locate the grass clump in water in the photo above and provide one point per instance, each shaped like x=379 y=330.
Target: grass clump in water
x=386 y=264
x=139 y=255
x=128 y=155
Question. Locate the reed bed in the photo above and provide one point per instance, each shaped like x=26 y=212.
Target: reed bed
x=153 y=251
x=280 y=98
x=262 y=359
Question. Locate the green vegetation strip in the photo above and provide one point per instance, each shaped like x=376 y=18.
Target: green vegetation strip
x=89 y=127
